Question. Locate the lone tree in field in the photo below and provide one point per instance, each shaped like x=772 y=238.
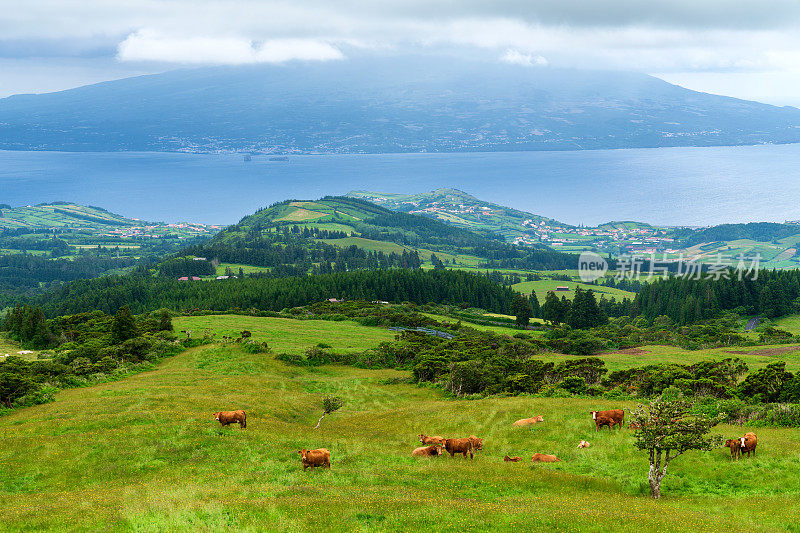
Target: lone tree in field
x=123 y=327
x=666 y=431
x=329 y=405
x=522 y=309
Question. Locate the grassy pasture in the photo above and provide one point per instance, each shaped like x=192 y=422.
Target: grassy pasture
x=300 y=214
x=248 y=269
x=790 y=323
x=9 y=347
x=368 y=244
x=541 y=288
x=289 y=335
x=755 y=356
x=144 y=454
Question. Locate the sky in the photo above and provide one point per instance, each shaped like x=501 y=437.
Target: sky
x=743 y=48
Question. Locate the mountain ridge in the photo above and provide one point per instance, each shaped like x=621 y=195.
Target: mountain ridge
x=368 y=105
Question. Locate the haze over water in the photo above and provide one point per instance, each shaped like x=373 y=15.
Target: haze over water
x=667 y=186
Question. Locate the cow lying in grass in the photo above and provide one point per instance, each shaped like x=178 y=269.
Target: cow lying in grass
x=434 y=450
x=514 y=459
x=543 y=458
x=314 y=458
x=528 y=421
x=231 y=417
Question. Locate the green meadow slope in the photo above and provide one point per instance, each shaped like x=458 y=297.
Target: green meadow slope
x=144 y=454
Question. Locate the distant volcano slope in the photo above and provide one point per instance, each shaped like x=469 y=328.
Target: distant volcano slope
x=383 y=105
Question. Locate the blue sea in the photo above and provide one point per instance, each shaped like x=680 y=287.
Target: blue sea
x=666 y=186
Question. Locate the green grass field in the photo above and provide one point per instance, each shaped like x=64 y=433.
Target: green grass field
x=248 y=269
x=368 y=244
x=144 y=454
x=541 y=288
x=755 y=356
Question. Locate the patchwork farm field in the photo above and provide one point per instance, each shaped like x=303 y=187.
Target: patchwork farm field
x=145 y=454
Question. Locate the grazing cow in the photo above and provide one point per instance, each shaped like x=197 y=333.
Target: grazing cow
x=314 y=458
x=434 y=450
x=607 y=418
x=543 y=458
x=735 y=445
x=477 y=443
x=427 y=439
x=748 y=443
x=462 y=446
x=512 y=459
x=583 y=444
x=528 y=421
x=232 y=417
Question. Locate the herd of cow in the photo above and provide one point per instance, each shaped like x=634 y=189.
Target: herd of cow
x=433 y=446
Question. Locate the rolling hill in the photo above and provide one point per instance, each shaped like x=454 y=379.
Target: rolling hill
x=776 y=244
x=380 y=105
x=460 y=209
x=339 y=231
x=145 y=453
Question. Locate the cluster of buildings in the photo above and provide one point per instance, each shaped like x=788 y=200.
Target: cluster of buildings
x=624 y=238
x=157 y=231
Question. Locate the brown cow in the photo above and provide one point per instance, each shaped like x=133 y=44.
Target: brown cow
x=464 y=446
x=314 y=458
x=607 y=418
x=749 y=442
x=512 y=459
x=528 y=421
x=583 y=444
x=427 y=439
x=735 y=445
x=231 y=417
x=543 y=458
x=477 y=443
x=433 y=450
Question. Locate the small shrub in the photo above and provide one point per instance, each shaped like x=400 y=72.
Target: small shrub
x=573 y=385
x=255 y=347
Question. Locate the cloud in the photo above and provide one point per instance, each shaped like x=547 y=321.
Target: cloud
x=515 y=57
x=649 y=36
x=147 y=45
x=653 y=35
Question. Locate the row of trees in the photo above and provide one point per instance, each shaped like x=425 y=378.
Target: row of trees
x=582 y=312
x=284 y=248
x=774 y=293
x=27 y=325
x=145 y=293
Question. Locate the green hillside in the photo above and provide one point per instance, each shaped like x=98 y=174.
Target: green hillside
x=776 y=244
x=61 y=215
x=461 y=209
x=145 y=454
x=348 y=233
x=84 y=226
x=44 y=245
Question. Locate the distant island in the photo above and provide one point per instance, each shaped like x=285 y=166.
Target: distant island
x=389 y=105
